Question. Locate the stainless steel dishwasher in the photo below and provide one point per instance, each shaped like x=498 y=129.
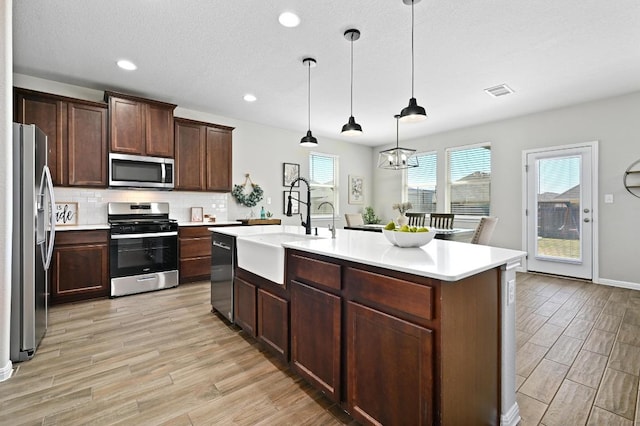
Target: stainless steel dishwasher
x=223 y=261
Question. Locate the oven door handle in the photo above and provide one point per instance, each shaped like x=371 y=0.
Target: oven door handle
x=144 y=235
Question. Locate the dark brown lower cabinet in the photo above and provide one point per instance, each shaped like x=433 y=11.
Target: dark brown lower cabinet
x=408 y=350
x=273 y=323
x=384 y=353
x=195 y=253
x=80 y=266
x=315 y=337
x=244 y=301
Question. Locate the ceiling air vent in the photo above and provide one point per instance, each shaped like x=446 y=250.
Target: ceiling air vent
x=499 y=90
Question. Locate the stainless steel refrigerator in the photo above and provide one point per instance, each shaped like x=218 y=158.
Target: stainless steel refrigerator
x=33 y=237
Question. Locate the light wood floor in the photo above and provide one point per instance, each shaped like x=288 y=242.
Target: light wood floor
x=578 y=358
x=163 y=358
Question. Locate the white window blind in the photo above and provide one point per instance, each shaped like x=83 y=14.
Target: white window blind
x=469 y=180
x=420 y=189
x=323 y=171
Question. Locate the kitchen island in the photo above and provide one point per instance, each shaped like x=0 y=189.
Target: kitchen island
x=413 y=336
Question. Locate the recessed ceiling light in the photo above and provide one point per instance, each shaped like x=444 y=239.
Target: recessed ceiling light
x=289 y=19
x=249 y=97
x=126 y=65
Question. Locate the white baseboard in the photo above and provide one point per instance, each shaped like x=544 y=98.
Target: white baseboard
x=511 y=417
x=622 y=284
x=6 y=371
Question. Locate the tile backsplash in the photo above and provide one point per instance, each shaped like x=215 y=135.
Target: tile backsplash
x=92 y=203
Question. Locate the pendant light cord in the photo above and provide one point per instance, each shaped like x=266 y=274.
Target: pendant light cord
x=412 y=66
x=351 y=75
x=309 y=97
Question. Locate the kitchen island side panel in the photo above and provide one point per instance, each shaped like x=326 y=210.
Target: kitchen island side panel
x=470 y=350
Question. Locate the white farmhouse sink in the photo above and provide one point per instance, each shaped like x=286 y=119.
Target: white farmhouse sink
x=263 y=254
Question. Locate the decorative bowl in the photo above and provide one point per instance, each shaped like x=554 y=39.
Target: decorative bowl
x=408 y=239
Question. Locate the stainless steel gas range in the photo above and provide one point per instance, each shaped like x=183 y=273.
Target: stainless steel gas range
x=143 y=248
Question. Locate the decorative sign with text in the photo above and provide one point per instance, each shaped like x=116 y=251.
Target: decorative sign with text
x=66 y=214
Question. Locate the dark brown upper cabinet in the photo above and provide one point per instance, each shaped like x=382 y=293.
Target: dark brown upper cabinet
x=140 y=126
x=203 y=156
x=76 y=135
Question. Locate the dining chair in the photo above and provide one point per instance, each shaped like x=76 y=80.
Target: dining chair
x=416 y=219
x=353 y=219
x=483 y=232
x=441 y=220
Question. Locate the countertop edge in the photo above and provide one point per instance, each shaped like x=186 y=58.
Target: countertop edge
x=93 y=227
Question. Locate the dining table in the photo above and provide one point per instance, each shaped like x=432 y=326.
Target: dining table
x=441 y=233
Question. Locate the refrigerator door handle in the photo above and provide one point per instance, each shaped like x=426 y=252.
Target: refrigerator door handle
x=46 y=179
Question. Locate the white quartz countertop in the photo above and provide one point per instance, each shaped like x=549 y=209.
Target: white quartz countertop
x=244 y=230
x=93 y=227
x=216 y=223
x=440 y=259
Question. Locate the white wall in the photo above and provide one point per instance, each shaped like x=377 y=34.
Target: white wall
x=258 y=150
x=6 y=183
x=612 y=121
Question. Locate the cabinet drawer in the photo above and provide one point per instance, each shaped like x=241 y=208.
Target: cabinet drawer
x=314 y=271
x=195 y=247
x=81 y=237
x=198 y=267
x=194 y=231
x=394 y=293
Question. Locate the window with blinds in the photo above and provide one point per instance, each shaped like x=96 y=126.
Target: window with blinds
x=323 y=179
x=469 y=180
x=420 y=187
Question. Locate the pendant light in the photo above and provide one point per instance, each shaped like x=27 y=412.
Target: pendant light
x=413 y=112
x=352 y=128
x=397 y=158
x=308 y=140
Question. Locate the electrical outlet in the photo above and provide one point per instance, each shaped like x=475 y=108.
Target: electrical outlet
x=268 y=200
x=512 y=291
x=608 y=198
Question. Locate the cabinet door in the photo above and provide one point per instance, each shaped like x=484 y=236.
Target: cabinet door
x=87 y=145
x=315 y=337
x=245 y=305
x=126 y=126
x=273 y=323
x=190 y=153
x=79 y=272
x=389 y=368
x=159 y=130
x=48 y=114
x=218 y=162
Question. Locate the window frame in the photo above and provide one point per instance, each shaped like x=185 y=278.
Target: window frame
x=405 y=179
x=335 y=186
x=447 y=177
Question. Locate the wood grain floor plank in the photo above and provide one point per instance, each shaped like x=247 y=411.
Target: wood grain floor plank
x=588 y=369
x=570 y=406
x=618 y=393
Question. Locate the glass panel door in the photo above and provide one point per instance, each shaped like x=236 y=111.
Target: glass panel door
x=559 y=213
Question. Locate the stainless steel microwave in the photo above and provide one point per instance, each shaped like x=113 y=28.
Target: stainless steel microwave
x=135 y=171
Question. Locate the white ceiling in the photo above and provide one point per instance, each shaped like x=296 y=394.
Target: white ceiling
x=206 y=54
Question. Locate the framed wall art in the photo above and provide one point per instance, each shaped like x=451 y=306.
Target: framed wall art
x=196 y=214
x=356 y=189
x=66 y=213
x=290 y=172
x=295 y=205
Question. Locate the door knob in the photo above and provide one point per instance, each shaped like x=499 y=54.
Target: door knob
x=586 y=219
x=586 y=210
